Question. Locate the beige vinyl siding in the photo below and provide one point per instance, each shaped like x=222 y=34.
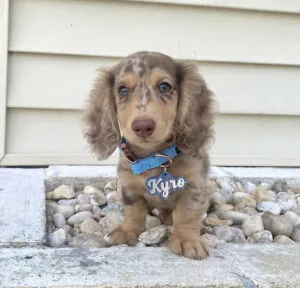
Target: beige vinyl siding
x=249 y=54
x=4 y=11
x=62 y=82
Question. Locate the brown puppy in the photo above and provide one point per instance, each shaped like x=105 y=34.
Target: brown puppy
x=155 y=102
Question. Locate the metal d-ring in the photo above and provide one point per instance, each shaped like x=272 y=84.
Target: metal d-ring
x=168 y=163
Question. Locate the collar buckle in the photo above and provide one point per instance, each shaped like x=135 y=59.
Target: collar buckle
x=166 y=164
x=127 y=155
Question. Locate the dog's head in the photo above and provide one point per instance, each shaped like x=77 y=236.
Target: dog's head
x=151 y=99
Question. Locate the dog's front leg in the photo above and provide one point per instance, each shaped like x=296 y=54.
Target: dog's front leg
x=135 y=211
x=187 y=216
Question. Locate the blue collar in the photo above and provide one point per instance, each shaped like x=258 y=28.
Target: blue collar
x=138 y=166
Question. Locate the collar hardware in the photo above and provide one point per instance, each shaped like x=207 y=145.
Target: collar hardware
x=127 y=155
x=162 y=159
x=169 y=160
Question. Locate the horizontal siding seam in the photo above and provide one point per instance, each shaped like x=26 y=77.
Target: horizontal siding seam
x=77 y=109
x=119 y=57
x=219 y=6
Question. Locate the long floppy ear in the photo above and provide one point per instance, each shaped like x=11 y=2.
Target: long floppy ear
x=194 y=121
x=101 y=128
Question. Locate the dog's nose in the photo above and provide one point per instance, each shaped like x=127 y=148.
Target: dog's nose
x=143 y=128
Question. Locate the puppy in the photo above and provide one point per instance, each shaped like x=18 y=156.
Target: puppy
x=158 y=113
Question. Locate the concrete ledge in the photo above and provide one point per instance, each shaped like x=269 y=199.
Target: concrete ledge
x=78 y=176
x=229 y=266
x=22 y=206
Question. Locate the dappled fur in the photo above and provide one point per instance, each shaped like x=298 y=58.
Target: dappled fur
x=184 y=118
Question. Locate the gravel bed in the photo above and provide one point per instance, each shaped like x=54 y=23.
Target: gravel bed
x=240 y=212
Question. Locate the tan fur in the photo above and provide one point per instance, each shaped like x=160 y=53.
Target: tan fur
x=130 y=79
x=183 y=117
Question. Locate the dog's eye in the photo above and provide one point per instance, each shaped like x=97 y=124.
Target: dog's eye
x=164 y=87
x=123 y=91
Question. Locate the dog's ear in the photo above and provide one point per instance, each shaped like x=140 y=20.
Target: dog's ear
x=194 y=120
x=101 y=128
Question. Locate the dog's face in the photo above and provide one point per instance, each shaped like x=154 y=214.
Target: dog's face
x=146 y=96
x=152 y=99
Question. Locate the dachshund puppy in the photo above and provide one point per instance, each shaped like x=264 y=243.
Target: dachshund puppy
x=158 y=112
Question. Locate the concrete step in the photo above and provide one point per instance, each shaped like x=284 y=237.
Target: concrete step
x=23 y=223
x=231 y=265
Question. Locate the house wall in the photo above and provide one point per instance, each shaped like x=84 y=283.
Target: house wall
x=248 y=53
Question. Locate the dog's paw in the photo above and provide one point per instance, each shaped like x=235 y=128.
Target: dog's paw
x=189 y=246
x=121 y=236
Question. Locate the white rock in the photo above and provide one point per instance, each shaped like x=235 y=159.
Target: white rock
x=296 y=234
x=285 y=195
x=113 y=197
x=236 y=217
x=229 y=234
x=212 y=220
x=67 y=202
x=50 y=207
x=98 y=198
x=83 y=207
x=242 y=200
x=249 y=187
x=111 y=221
x=252 y=224
x=224 y=207
x=110 y=186
x=58 y=238
x=261 y=237
x=59 y=220
x=77 y=193
x=89 y=190
x=270 y=206
x=90 y=226
x=227 y=188
x=211 y=240
x=69 y=230
x=225 y=184
x=65 y=210
x=282 y=239
x=61 y=192
x=114 y=207
x=277 y=224
x=218 y=199
x=264 y=195
x=296 y=209
x=151 y=221
x=140 y=244
x=207 y=229
x=293 y=217
x=79 y=217
x=87 y=241
x=250 y=211
x=265 y=186
x=154 y=235
x=286 y=204
x=240 y=187
x=84 y=199
x=239 y=195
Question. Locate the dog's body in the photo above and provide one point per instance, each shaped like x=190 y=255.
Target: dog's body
x=156 y=102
